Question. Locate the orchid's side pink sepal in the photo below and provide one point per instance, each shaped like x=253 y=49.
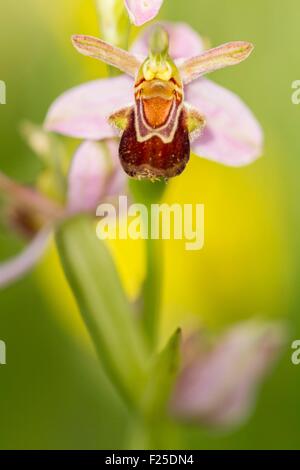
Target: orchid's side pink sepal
x=83 y=111
x=233 y=135
x=141 y=11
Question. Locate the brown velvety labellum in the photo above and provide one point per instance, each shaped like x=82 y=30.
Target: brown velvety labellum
x=153 y=158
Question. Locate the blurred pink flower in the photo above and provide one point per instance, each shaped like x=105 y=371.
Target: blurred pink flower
x=218 y=385
x=232 y=135
x=93 y=176
x=141 y=11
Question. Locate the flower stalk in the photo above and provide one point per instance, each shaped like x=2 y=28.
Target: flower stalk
x=151 y=193
x=104 y=306
x=114 y=22
x=152 y=290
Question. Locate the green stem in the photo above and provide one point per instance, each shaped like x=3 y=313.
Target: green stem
x=152 y=290
x=104 y=307
x=147 y=192
x=158 y=435
x=114 y=22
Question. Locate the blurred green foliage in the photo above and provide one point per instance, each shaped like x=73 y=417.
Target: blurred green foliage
x=53 y=393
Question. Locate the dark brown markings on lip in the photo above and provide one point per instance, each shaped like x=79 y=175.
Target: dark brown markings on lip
x=172 y=79
x=153 y=158
x=139 y=82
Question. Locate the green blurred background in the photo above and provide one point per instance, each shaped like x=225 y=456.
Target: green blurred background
x=53 y=393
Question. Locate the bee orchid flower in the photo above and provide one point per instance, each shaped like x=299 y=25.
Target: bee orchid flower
x=174 y=109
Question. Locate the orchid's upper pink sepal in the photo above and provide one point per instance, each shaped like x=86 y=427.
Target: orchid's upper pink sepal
x=141 y=11
x=184 y=42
